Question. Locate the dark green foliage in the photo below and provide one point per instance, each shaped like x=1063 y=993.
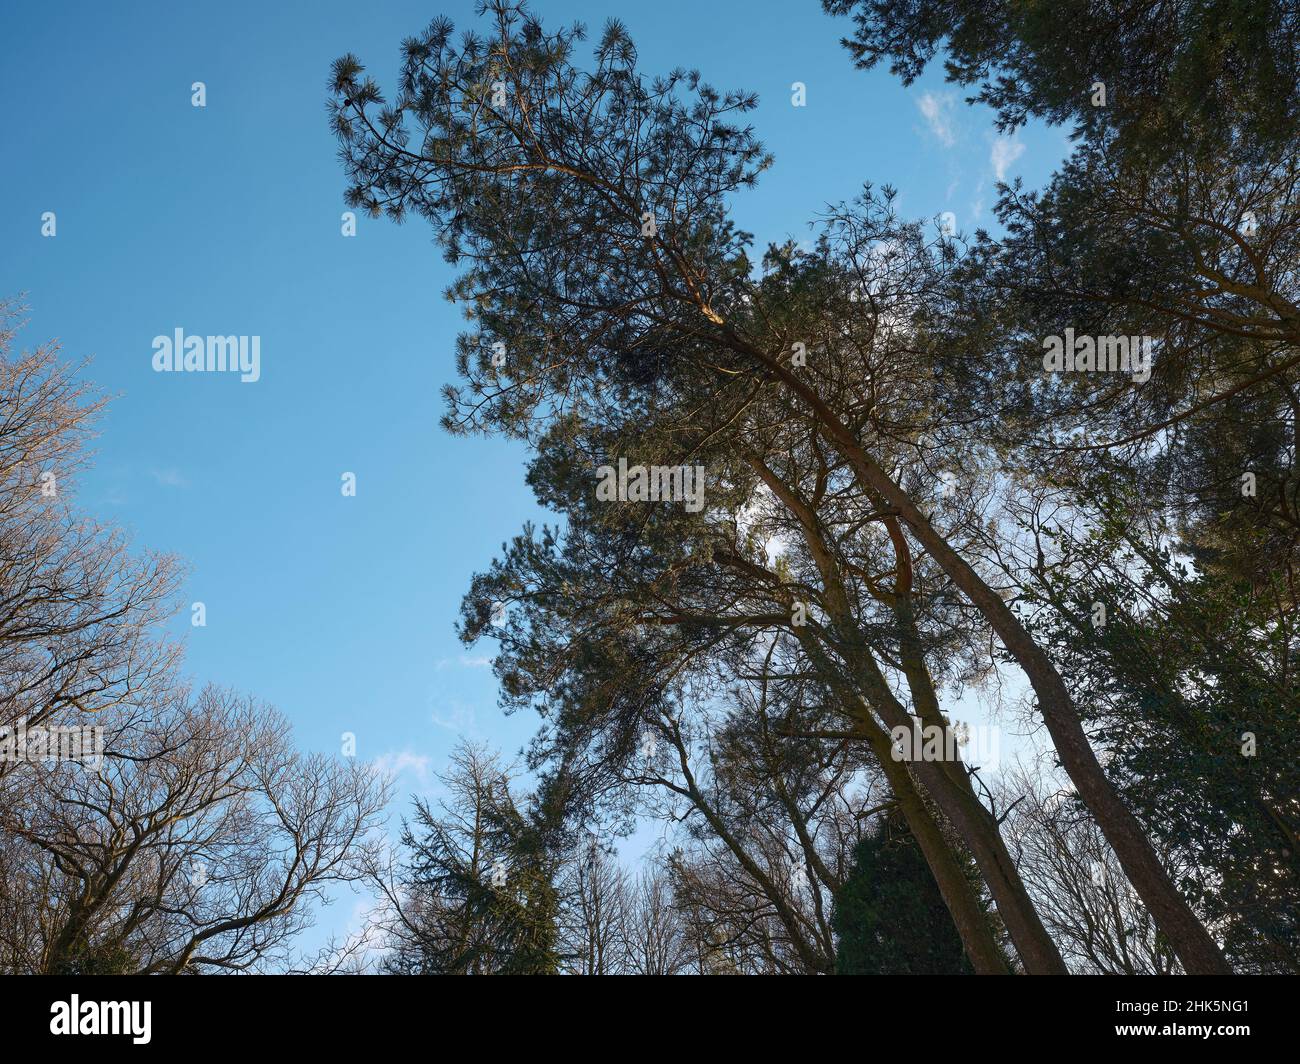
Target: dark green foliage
x=1176 y=71
x=1191 y=683
x=1175 y=503
x=890 y=918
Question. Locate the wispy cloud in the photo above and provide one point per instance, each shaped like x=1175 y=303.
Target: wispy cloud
x=1004 y=154
x=465 y=661
x=395 y=762
x=169 y=478
x=461 y=719
x=977 y=202
x=936 y=109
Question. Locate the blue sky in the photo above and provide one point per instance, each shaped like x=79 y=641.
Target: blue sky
x=226 y=219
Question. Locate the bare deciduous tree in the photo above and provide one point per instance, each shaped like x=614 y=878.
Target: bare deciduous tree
x=658 y=942
x=1078 y=885
x=77 y=609
x=594 y=913
x=195 y=844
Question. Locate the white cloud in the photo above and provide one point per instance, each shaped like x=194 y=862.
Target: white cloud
x=394 y=763
x=936 y=109
x=460 y=719
x=169 y=478
x=1005 y=152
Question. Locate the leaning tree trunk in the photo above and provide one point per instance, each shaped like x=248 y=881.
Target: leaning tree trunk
x=1187 y=936
x=947 y=784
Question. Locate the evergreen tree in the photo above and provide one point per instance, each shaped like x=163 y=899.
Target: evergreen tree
x=477 y=894
x=889 y=916
x=608 y=285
